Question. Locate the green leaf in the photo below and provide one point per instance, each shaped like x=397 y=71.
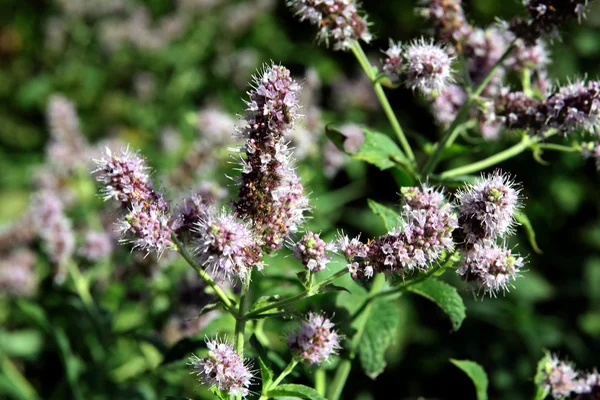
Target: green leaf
x=477 y=375
x=526 y=224
x=330 y=287
x=379 y=150
x=380 y=332
x=544 y=366
x=297 y=391
x=335 y=136
x=445 y=296
x=266 y=372
x=390 y=217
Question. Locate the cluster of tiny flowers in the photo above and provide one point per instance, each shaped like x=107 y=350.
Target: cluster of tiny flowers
x=355 y=252
x=562 y=380
x=17 y=274
x=447 y=104
x=338 y=20
x=223 y=369
x=215 y=125
x=546 y=17
x=487 y=207
x=147 y=224
x=54 y=228
x=271 y=193
x=428 y=67
x=312 y=251
x=483 y=49
x=226 y=246
x=315 y=341
x=428 y=223
x=448 y=20
x=490 y=267
x=96 y=246
x=571 y=107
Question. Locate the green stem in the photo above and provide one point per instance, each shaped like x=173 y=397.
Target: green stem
x=240 y=322
x=541 y=393
x=518 y=148
x=290 y=300
x=558 y=147
x=343 y=370
x=288 y=369
x=387 y=108
x=526 y=82
x=451 y=133
x=81 y=285
x=21 y=384
x=202 y=273
x=320 y=381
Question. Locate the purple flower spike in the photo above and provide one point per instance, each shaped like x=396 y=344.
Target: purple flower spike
x=487 y=208
x=315 y=341
x=312 y=251
x=223 y=369
x=226 y=246
x=428 y=67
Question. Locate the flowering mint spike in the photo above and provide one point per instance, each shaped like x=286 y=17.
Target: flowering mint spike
x=355 y=253
x=96 y=246
x=428 y=223
x=560 y=377
x=312 y=251
x=315 y=341
x=17 y=274
x=490 y=267
x=271 y=193
x=124 y=176
x=393 y=63
x=223 y=369
x=226 y=246
x=483 y=49
x=448 y=20
x=338 y=20
x=67 y=148
x=428 y=67
x=487 y=207
x=546 y=17
x=147 y=228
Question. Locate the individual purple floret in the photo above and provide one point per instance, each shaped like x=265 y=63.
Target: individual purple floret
x=124 y=176
x=312 y=251
x=449 y=22
x=223 y=369
x=487 y=207
x=393 y=63
x=560 y=378
x=546 y=17
x=428 y=67
x=270 y=193
x=490 y=267
x=17 y=274
x=355 y=252
x=96 y=246
x=426 y=231
x=338 y=20
x=226 y=246
x=315 y=341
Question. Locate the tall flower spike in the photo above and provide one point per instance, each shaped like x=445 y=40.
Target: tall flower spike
x=490 y=267
x=315 y=341
x=338 y=20
x=147 y=228
x=428 y=67
x=487 y=207
x=223 y=368
x=312 y=251
x=271 y=193
x=226 y=246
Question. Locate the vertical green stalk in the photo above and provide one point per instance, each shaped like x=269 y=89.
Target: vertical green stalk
x=320 y=381
x=240 y=322
x=387 y=108
x=341 y=376
x=288 y=370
